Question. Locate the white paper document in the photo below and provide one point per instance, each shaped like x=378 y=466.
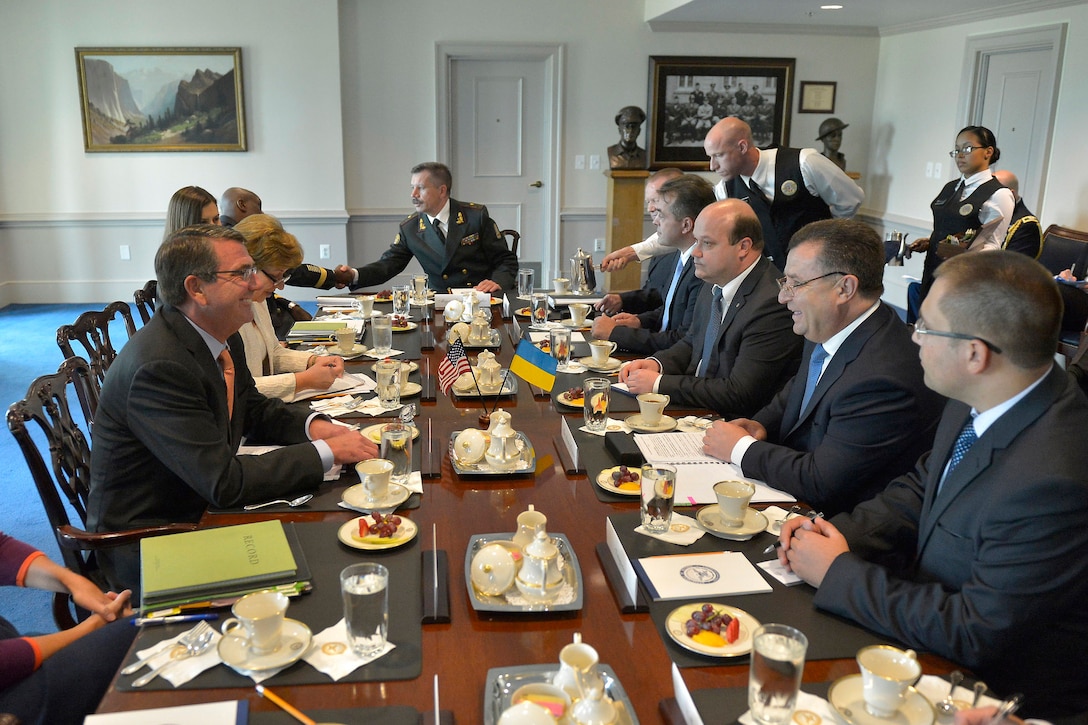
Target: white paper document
x=696 y=472
x=698 y=576
x=211 y=713
x=536 y=337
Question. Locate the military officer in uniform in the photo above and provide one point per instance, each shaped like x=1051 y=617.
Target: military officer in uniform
x=456 y=242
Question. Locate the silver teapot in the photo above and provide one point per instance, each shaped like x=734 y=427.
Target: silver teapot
x=582 y=278
x=896 y=248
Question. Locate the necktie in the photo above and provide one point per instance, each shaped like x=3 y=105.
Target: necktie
x=441 y=246
x=815 y=367
x=226 y=364
x=758 y=192
x=711 y=332
x=672 y=293
x=966 y=439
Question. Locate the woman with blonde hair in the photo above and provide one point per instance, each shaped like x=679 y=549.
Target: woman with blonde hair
x=277 y=371
x=190 y=205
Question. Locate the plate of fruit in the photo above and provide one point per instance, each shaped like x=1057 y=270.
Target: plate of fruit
x=377 y=531
x=573 y=398
x=710 y=629
x=620 y=480
x=386 y=295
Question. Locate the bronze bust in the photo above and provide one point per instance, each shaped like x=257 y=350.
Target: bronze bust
x=831 y=134
x=627 y=154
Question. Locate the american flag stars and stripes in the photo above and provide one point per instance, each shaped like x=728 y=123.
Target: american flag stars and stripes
x=453 y=366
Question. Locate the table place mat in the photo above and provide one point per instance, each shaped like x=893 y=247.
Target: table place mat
x=392 y=715
x=829 y=636
x=617 y=402
x=409 y=343
x=725 y=705
x=323 y=608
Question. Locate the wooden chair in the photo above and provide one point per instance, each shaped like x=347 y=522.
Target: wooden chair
x=92 y=331
x=514 y=239
x=61 y=468
x=1061 y=248
x=145 y=300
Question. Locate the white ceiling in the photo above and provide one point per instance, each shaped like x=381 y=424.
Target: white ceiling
x=857 y=17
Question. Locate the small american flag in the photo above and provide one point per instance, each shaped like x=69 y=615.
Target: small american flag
x=453 y=366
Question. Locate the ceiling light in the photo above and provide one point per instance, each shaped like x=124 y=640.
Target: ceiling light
x=831 y=7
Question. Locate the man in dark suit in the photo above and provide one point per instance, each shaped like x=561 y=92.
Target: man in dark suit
x=168 y=425
x=456 y=243
x=837 y=442
x=978 y=554
x=655 y=329
x=740 y=348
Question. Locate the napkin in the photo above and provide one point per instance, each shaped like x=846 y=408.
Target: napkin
x=683 y=530
x=815 y=705
x=184 y=670
x=375 y=356
x=934 y=689
x=340 y=406
x=774 y=568
x=612 y=426
x=692 y=423
x=331 y=653
x=571 y=367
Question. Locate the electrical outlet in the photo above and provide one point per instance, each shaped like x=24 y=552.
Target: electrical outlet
x=126 y=253
x=324 y=251
x=595 y=161
x=929 y=169
x=580 y=161
x=598 y=245
x=937 y=169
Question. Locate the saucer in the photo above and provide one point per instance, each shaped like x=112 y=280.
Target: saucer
x=845 y=696
x=355 y=351
x=711 y=519
x=295 y=641
x=409 y=389
x=674 y=625
x=605 y=481
x=374 y=432
x=611 y=365
x=570 y=323
x=355 y=496
x=407 y=327
x=635 y=422
x=405 y=533
x=412 y=366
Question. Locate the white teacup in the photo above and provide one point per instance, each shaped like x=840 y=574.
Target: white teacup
x=259 y=616
x=651 y=406
x=374 y=474
x=578 y=313
x=601 y=350
x=366 y=305
x=562 y=284
x=345 y=339
x=886 y=673
x=733 y=498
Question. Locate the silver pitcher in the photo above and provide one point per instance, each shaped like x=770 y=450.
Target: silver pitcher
x=582 y=278
x=896 y=248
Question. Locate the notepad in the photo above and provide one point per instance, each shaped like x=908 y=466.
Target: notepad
x=697 y=576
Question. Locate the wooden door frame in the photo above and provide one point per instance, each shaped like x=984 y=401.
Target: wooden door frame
x=553 y=57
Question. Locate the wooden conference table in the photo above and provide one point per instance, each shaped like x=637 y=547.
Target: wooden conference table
x=462 y=651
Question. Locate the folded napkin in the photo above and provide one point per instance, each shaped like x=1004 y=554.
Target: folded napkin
x=811 y=705
x=331 y=653
x=683 y=530
x=612 y=426
x=774 y=568
x=934 y=689
x=185 y=669
x=571 y=367
x=375 y=356
x=345 y=404
x=691 y=423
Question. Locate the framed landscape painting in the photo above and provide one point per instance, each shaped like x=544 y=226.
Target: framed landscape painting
x=689 y=94
x=161 y=99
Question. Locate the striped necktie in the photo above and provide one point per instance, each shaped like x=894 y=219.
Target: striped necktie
x=711 y=333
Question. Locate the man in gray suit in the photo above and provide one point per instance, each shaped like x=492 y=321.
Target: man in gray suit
x=866 y=415
x=978 y=554
x=739 y=349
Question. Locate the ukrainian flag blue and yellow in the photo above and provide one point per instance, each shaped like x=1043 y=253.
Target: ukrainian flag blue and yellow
x=533 y=365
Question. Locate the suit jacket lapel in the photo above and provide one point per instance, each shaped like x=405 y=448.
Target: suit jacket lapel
x=741 y=297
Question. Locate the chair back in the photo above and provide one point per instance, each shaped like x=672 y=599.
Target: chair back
x=1061 y=248
x=92 y=331
x=514 y=238
x=145 y=300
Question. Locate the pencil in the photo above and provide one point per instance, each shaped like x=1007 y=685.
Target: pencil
x=284 y=705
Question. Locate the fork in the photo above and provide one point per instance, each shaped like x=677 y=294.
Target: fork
x=197 y=646
x=191 y=636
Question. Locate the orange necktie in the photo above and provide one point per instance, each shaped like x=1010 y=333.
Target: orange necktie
x=226 y=363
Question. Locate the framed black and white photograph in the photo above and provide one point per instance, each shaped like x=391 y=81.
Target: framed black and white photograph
x=817 y=97
x=689 y=94
x=161 y=99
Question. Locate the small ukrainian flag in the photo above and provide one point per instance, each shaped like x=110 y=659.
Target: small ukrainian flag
x=533 y=365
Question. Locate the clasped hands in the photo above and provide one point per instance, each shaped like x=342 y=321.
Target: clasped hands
x=808 y=546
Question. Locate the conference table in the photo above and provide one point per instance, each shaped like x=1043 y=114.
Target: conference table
x=462 y=651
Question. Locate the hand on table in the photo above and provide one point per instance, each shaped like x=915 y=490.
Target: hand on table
x=602 y=327
x=488 y=286
x=321 y=372
x=722 y=436
x=640 y=376
x=809 y=546
x=610 y=304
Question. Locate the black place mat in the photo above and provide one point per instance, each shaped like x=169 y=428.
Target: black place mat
x=725 y=705
x=401 y=715
x=408 y=342
x=829 y=636
x=322 y=609
x=595 y=458
x=617 y=401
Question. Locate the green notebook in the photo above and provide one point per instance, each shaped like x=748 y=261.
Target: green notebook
x=209 y=561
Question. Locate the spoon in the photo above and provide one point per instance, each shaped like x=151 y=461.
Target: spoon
x=980 y=687
x=292 y=503
x=947 y=706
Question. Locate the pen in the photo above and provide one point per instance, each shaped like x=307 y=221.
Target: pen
x=778 y=544
x=140 y=621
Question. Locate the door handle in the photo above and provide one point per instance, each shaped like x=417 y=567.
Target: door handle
x=537 y=184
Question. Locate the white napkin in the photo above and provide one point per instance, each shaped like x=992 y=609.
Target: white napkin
x=571 y=367
x=331 y=653
x=338 y=406
x=186 y=669
x=934 y=689
x=692 y=423
x=612 y=426
x=816 y=705
x=683 y=530
x=371 y=354
x=775 y=568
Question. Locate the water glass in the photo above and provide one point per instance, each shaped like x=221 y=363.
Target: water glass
x=397 y=447
x=778 y=660
x=596 y=403
x=381 y=332
x=401 y=299
x=657 y=490
x=525 y=283
x=540 y=310
x=365 y=588
x=559 y=340
x=419 y=289
x=387 y=373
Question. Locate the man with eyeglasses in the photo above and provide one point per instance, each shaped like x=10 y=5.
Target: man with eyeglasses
x=978 y=554
x=179 y=400
x=857 y=413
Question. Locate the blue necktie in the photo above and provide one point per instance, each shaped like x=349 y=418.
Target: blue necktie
x=711 y=332
x=964 y=442
x=672 y=292
x=815 y=367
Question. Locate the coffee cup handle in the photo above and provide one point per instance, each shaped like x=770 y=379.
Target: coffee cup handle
x=613 y=347
x=229 y=626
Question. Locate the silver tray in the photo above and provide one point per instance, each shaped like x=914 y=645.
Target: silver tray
x=570 y=596
x=502 y=682
x=483 y=468
x=509 y=387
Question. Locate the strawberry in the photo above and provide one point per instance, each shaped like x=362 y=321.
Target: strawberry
x=732 y=631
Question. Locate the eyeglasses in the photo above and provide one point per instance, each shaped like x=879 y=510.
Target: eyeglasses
x=245 y=273
x=286 y=276
x=965 y=151
x=790 y=288
x=921 y=329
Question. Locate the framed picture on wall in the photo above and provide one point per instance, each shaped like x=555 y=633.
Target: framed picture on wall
x=689 y=94
x=817 y=97
x=161 y=99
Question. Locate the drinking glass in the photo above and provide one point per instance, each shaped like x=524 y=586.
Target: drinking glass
x=657 y=490
x=525 y=283
x=387 y=373
x=397 y=447
x=540 y=310
x=381 y=331
x=559 y=340
x=365 y=588
x=778 y=659
x=419 y=289
x=401 y=299
x=596 y=402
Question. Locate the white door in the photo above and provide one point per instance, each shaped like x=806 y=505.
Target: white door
x=499 y=146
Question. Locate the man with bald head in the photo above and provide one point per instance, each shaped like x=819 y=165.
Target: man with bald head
x=1025 y=234
x=236 y=204
x=740 y=348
